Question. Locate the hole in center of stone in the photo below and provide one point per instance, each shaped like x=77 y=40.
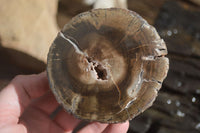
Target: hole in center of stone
x=101 y=72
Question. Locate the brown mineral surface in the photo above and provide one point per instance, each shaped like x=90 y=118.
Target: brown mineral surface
x=107 y=65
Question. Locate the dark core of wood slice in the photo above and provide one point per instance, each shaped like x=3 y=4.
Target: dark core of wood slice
x=107 y=65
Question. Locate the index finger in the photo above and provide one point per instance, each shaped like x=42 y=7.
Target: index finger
x=15 y=97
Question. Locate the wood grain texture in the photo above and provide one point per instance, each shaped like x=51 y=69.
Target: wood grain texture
x=126 y=47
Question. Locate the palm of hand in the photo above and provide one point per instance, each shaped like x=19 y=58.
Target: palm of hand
x=26 y=105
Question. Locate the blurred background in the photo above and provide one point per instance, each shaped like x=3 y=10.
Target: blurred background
x=27 y=29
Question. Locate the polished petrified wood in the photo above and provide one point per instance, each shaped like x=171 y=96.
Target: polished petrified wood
x=107 y=65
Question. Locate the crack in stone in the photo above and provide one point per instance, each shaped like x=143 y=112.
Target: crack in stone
x=118 y=89
x=148 y=58
x=152 y=80
x=140 y=76
x=72 y=43
x=128 y=114
x=130 y=103
x=100 y=70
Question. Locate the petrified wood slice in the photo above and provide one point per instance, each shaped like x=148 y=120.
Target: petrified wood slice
x=107 y=65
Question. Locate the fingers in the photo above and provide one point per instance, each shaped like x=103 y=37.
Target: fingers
x=94 y=127
x=117 y=128
x=105 y=128
x=66 y=121
x=13 y=129
x=37 y=122
x=29 y=87
x=18 y=94
x=46 y=103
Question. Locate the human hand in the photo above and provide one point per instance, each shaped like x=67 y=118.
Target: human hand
x=26 y=104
